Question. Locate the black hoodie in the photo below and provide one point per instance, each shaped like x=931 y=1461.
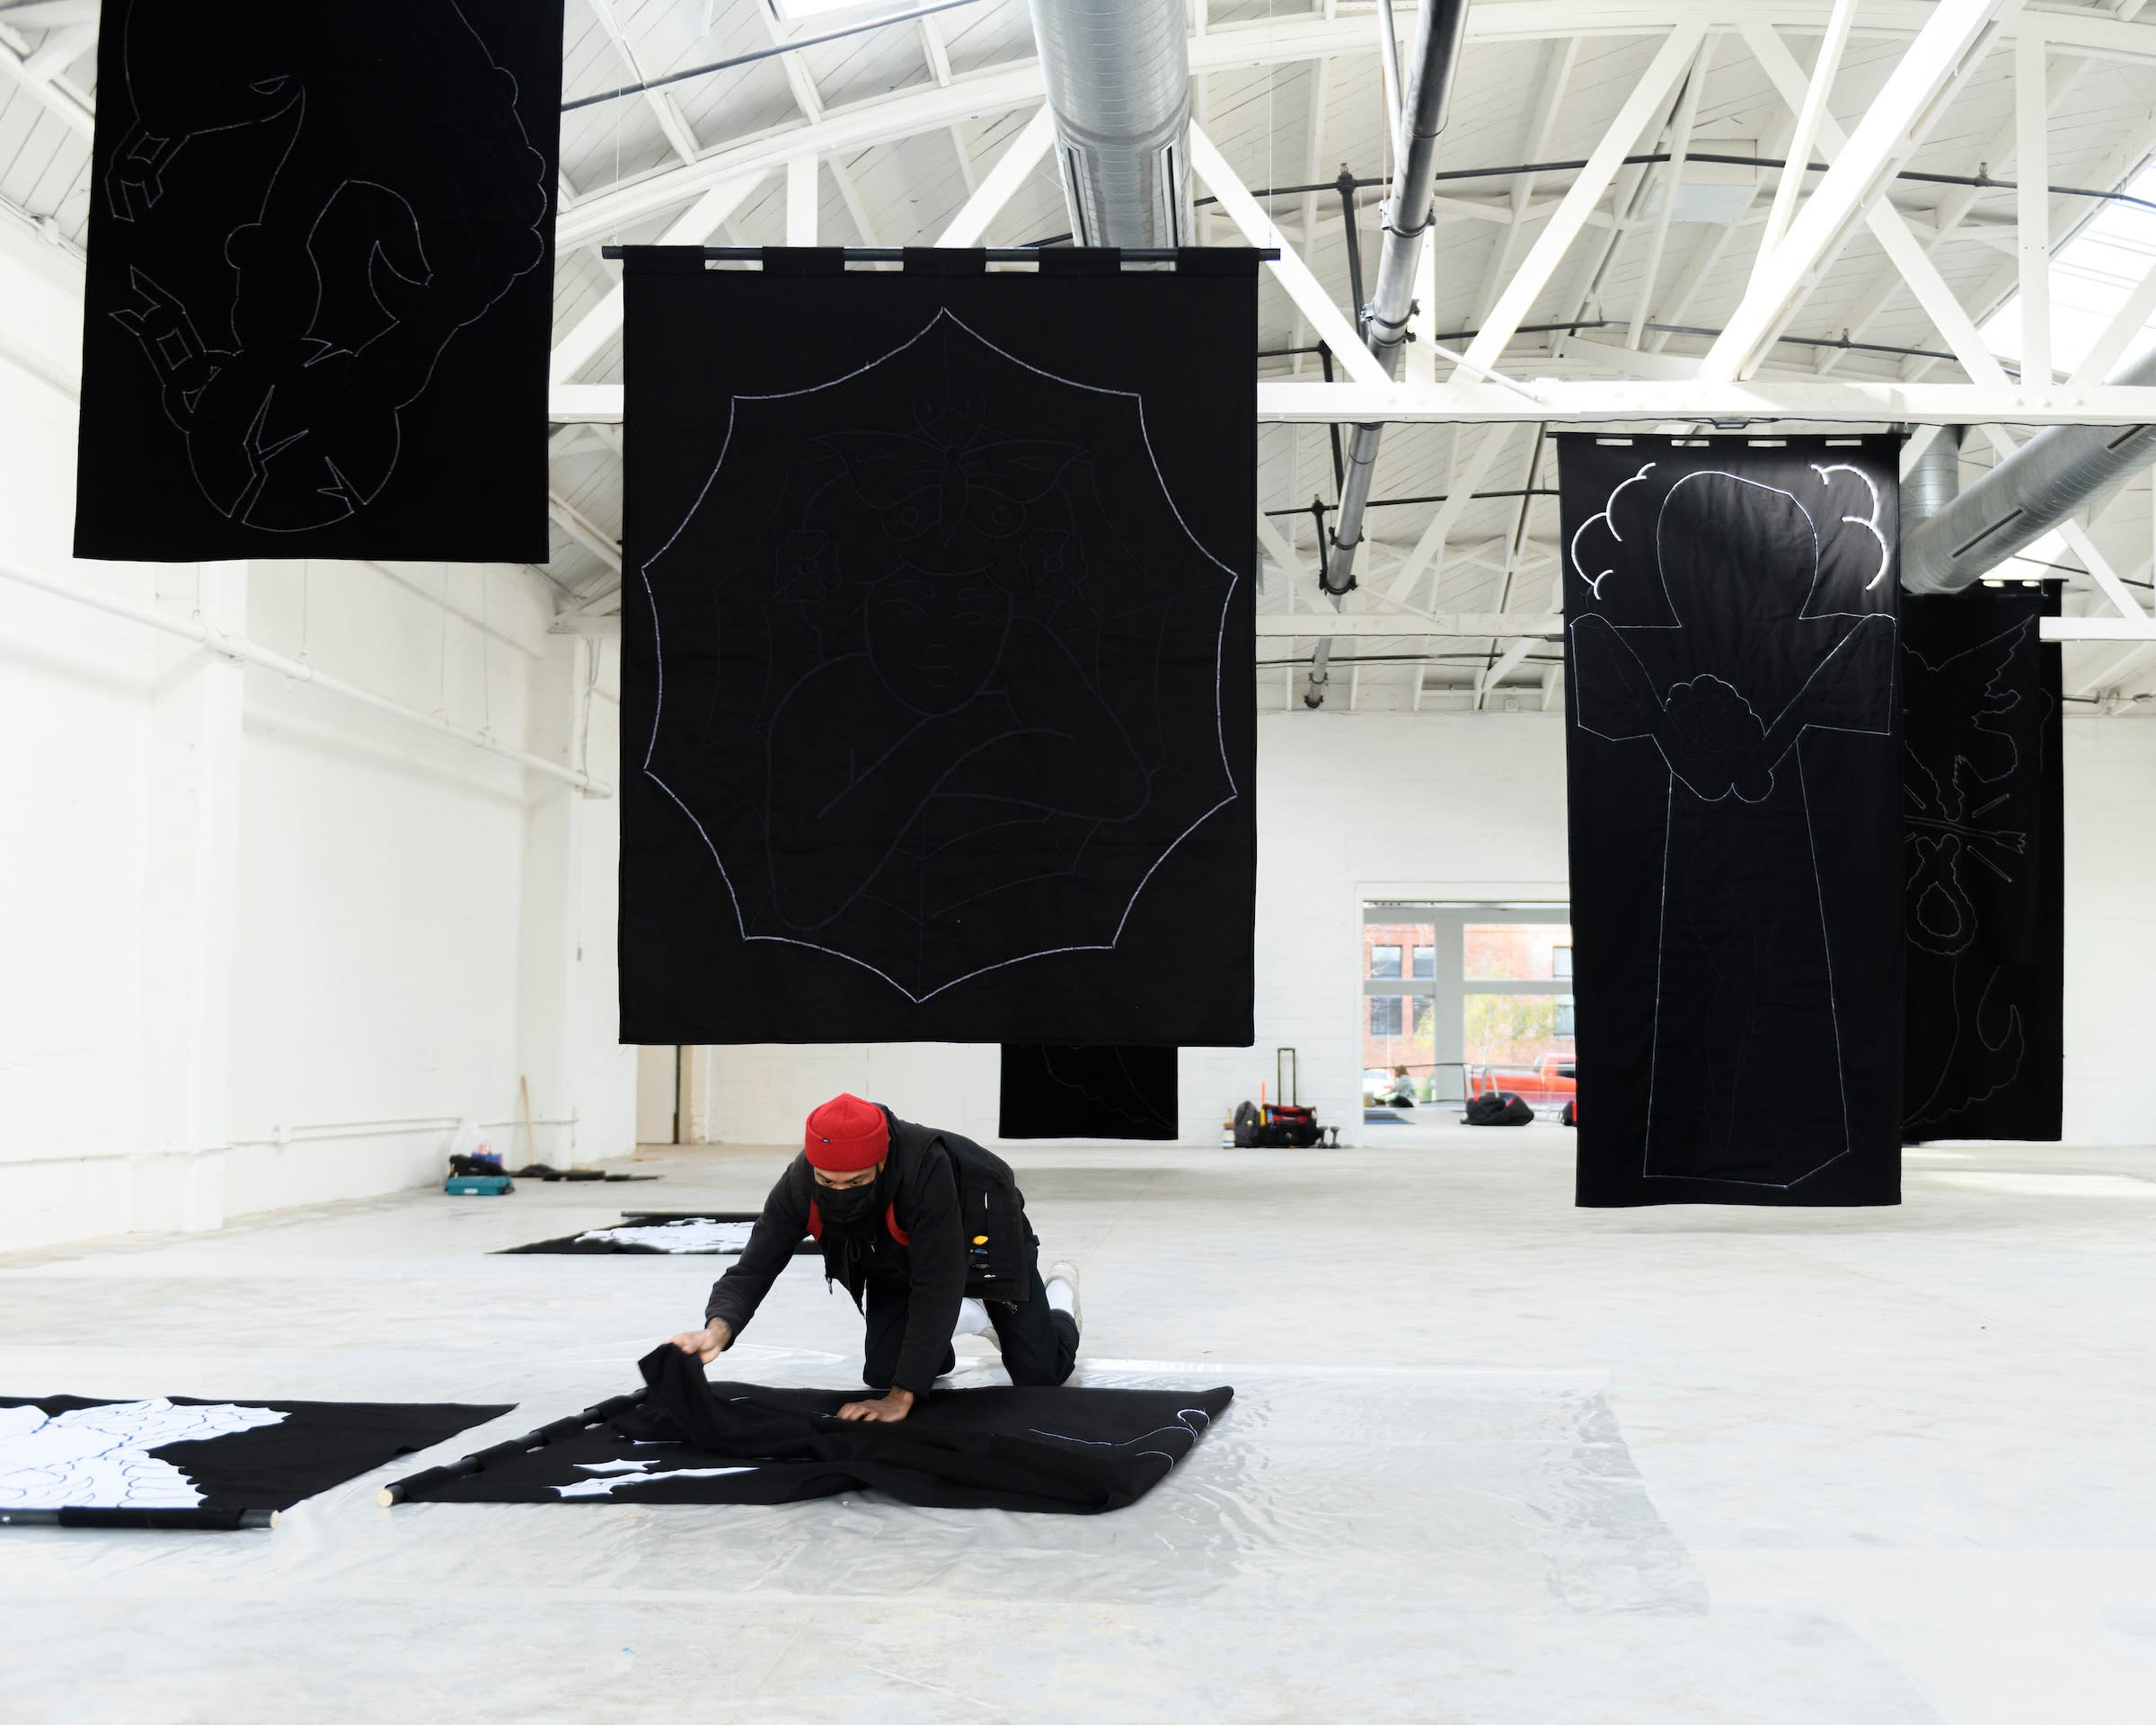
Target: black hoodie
x=918 y=1196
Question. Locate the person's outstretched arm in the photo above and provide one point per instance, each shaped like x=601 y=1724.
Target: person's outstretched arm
x=736 y=1295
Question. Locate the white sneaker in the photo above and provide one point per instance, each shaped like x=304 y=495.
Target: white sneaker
x=1066 y=1273
x=974 y=1320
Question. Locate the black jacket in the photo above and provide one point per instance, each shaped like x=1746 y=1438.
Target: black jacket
x=962 y=1219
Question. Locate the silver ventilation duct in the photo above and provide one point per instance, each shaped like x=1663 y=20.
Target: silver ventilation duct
x=1117 y=73
x=1934 y=480
x=2047 y=479
x=1439 y=27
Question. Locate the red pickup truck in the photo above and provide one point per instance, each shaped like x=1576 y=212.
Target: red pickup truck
x=1550 y=1081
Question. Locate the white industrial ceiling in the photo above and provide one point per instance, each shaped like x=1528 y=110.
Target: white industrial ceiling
x=904 y=122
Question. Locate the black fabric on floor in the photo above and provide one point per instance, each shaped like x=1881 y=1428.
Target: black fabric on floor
x=653 y=1224
x=1056 y=1091
x=320 y=292
x=1061 y=1451
x=938 y=679
x=540 y=1171
x=1983 y=838
x=104 y=1463
x=1734 y=791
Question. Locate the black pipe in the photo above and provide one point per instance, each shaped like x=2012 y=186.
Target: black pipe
x=1976 y=182
x=1842 y=342
x=1435 y=496
x=1339 y=461
x=772 y=52
x=1345 y=186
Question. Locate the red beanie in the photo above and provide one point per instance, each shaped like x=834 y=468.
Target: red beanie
x=846 y=1135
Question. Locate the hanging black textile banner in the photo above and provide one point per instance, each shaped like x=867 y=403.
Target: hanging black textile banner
x=938 y=677
x=178 y=1462
x=1983 y=848
x=1060 y=1451
x=1734 y=788
x=321 y=284
x=699 y=1233
x=1061 y=1091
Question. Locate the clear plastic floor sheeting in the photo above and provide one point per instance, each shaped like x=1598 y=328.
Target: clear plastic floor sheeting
x=1469 y=1491
x=1513 y=1465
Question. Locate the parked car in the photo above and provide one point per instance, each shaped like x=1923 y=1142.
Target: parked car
x=1551 y=1081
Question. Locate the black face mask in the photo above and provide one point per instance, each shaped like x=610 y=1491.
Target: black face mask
x=847 y=1206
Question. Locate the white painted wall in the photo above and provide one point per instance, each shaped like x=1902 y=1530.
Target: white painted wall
x=259 y=945
x=74 y=694
x=2110 y=927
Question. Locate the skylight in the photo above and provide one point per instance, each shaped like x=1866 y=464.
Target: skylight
x=2091 y=276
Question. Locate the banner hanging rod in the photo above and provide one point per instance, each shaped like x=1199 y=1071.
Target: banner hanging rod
x=993 y=253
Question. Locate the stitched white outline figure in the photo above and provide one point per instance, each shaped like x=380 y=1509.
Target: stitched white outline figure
x=943 y=315
x=1716 y=744
x=1947 y=831
x=292 y=416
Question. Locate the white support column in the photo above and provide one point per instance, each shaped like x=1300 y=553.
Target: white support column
x=1897 y=121
x=1013 y=169
x=2032 y=208
x=58 y=95
x=1467 y=479
x=1640 y=106
x=1954 y=208
x=1556 y=73
x=1506 y=662
x=1903 y=249
x=693 y=227
x=802 y=200
x=177 y=1172
x=1797 y=158
x=2130 y=320
x=1290 y=271
x=1680 y=142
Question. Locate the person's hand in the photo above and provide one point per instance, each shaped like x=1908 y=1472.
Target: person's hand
x=893 y=1404
x=707 y=1343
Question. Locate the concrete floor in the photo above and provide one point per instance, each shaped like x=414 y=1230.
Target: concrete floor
x=1491 y=1459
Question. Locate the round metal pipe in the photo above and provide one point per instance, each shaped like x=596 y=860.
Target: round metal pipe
x=1440 y=27
x=1934 y=480
x=1117 y=76
x=2051 y=477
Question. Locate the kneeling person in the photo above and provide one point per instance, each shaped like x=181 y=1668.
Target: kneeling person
x=927 y=1230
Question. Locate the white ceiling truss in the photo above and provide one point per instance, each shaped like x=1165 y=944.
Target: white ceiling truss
x=1832 y=298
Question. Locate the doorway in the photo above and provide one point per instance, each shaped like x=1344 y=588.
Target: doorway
x=1466 y=997
x=659 y=1095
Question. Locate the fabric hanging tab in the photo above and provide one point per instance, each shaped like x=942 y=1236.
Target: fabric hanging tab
x=662 y=260
x=1218 y=259
x=801 y=259
x=1082 y=261
x=945 y=260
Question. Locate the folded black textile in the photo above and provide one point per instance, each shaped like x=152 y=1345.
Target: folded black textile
x=1059 y=1451
x=540 y=1171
